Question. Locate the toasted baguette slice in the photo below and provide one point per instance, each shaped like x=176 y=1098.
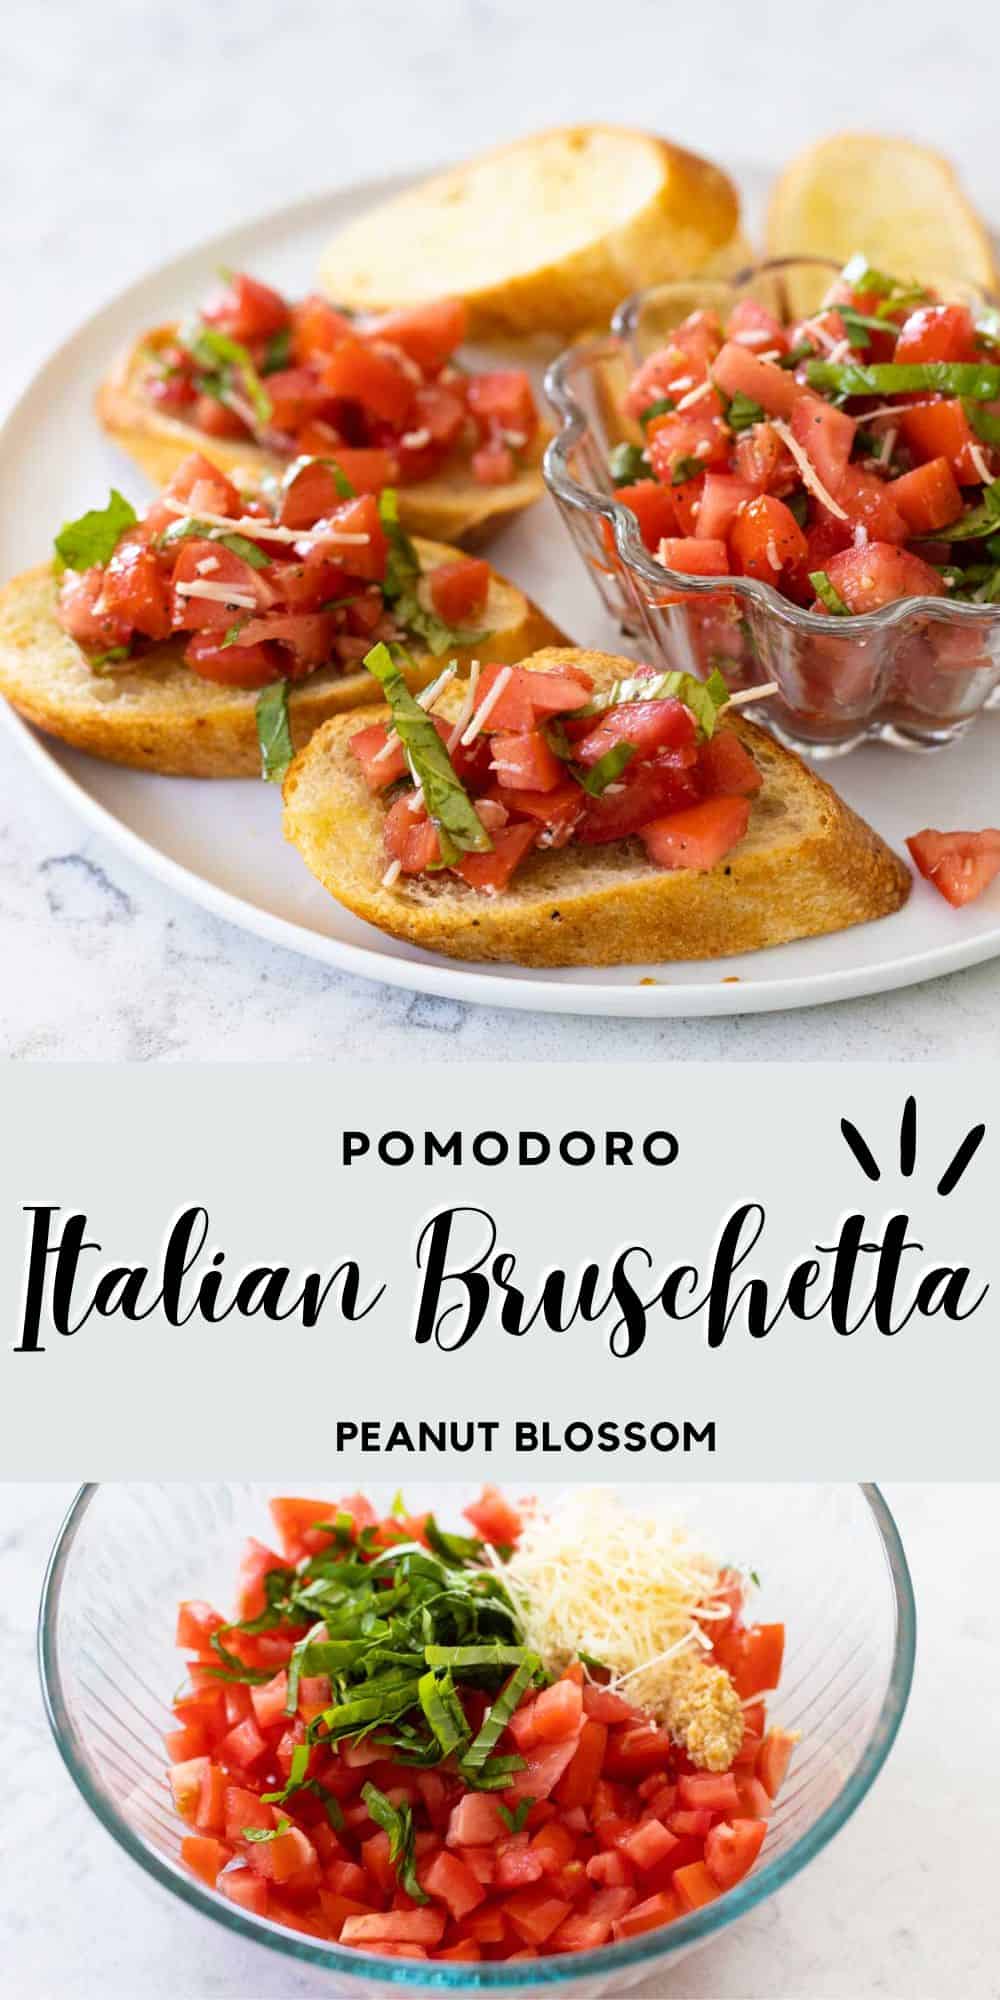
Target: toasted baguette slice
x=452 y=507
x=544 y=235
x=898 y=203
x=808 y=865
x=160 y=716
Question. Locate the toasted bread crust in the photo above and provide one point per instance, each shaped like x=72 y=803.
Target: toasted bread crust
x=452 y=507
x=160 y=716
x=808 y=866
x=684 y=217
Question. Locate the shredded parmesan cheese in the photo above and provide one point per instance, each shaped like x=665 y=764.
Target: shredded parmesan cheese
x=695 y=395
x=254 y=530
x=467 y=709
x=219 y=593
x=810 y=476
x=391 y=875
x=486 y=707
x=628 y=1589
x=978 y=458
x=887 y=446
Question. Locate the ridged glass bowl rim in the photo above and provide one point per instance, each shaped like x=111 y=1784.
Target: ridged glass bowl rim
x=574 y=424
x=651 y=1948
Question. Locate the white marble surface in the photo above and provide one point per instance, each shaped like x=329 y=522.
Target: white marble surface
x=128 y=132
x=902 y=1905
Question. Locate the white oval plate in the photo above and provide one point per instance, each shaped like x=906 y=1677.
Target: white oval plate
x=220 y=843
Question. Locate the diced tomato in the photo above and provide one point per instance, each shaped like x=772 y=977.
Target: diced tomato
x=941 y=429
x=869 y=504
x=755 y=1802
x=249 y=588
x=558 y=1712
x=686 y=497
x=928 y=497
x=490 y=872
x=243 y=1745
x=636 y=1749
x=83 y=615
x=577 y=1784
x=503 y=402
x=960 y=865
x=448 y=1879
x=535 y=1914
x=698 y=837
x=878 y=573
x=396 y=1927
x=428 y=334
x=210 y=1812
x=269 y=1701
x=196 y=1621
x=826 y=435
x=459 y=590
x=135 y=589
x=765 y=539
x=698 y=434
x=248 y=310
x=558 y=811
x=186 y=1782
x=523 y=761
x=653 y=507
x=233 y=666
x=647 y=1845
x=764 y=461
x=753 y=1658
x=721 y=498
x=476 y=1821
x=203 y=487
x=731 y=1850
x=648 y=1916
x=493 y=1517
x=755 y=327
x=493 y=464
x=246 y=1889
x=695 y=558
x=216 y=419
x=694 y=1886
x=937 y=333
x=728 y=768
x=410 y=837
x=708 y=1790
x=666 y=783
x=602 y=1704
x=317 y=328
x=773 y=1759
x=646 y=725
x=691 y=1823
x=358 y=373
x=205 y=1857
x=738 y=372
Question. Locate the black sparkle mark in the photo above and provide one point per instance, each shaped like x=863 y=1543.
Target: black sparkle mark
x=963 y=1157
x=861 y=1150
x=908 y=1138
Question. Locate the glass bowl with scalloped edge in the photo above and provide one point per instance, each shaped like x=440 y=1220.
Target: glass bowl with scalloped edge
x=915 y=673
x=831 y=1565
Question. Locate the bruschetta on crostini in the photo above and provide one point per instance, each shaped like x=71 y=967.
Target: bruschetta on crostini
x=218 y=629
x=254 y=381
x=577 y=810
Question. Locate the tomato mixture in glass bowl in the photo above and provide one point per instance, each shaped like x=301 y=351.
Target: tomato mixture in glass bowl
x=838 y=467
x=373 y=1753
x=386 y=396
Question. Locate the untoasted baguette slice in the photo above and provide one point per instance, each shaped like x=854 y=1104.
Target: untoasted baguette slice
x=160 y=716
x=452 y=507
x=808 y=865
x=898 y=203
x=544 y=235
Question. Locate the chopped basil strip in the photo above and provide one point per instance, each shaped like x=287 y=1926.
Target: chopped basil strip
x=457 y=1549
x=267 y=1832
x=515 y=1820
x=660 y=408
x=828 y=594
x=980 y=379
x=460 y=829
x=742 y=412
x=340 y=479
x=894 y=293
x=978 y=521
x=444 y=1711
x=217 y=352
x=627 y=463
x=188 y=527
x=703 y=698
x=400 y=586
x=796 y=355
x=112 y=658
x=607 y=768
x=274 y=732
x=482 y=1656
x=277 y=351
x=94 y=537
x=686 y=467
x=498 y=1715
x=398 y=1824
x=860 y=326
x=985 y=423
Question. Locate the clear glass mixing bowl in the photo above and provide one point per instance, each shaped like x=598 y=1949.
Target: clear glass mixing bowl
x=831 y=1565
